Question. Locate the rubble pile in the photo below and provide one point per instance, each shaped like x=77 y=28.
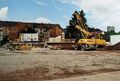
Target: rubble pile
x=113 y=47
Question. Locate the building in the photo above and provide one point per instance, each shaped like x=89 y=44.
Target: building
x=55 y=34
x=28 y=37
x=45 y=31
x=111 y=29
x=1 y=33
x=114 y=39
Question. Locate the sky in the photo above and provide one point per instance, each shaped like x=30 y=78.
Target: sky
x=99 y=13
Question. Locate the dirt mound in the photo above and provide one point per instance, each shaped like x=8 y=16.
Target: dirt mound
x=113 y=47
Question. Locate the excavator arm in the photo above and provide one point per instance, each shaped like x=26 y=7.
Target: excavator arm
x=87 y=42
x=86 y=33
x=81 y=26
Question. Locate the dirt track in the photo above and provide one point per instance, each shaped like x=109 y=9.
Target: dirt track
x=49 y=65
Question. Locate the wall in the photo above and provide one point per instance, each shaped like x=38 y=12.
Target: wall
x=1 y=33
x=56 y=39
x=27 y=37
x=114 y=39
x=13 y=29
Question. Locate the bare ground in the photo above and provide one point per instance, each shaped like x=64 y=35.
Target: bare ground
x=45 y=65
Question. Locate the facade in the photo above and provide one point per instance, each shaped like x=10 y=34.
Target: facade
x=55 y=39
x=28 y=37
x=1 y=33
x=111 y=29
x=59 y=38
x=45 y=31
x=114 y=39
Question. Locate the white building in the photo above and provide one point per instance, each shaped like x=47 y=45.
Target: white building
x=29 y=37
x=110 y=29
x=114 y=39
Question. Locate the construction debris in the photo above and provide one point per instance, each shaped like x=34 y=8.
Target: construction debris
x=113 y=47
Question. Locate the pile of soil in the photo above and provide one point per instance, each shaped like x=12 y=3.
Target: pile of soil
x=113 y=47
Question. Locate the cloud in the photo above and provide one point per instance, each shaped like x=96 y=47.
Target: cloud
x=102 y=12
x=42 y=20
x=40 y=3
x=3 y=13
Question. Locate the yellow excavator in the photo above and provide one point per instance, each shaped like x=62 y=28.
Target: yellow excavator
x=89 y=40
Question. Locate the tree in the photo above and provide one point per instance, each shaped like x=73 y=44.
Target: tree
x=4 y=41
x=71 y=31
x=82 y=14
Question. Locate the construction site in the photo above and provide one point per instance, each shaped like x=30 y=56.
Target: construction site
x=47 y=52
